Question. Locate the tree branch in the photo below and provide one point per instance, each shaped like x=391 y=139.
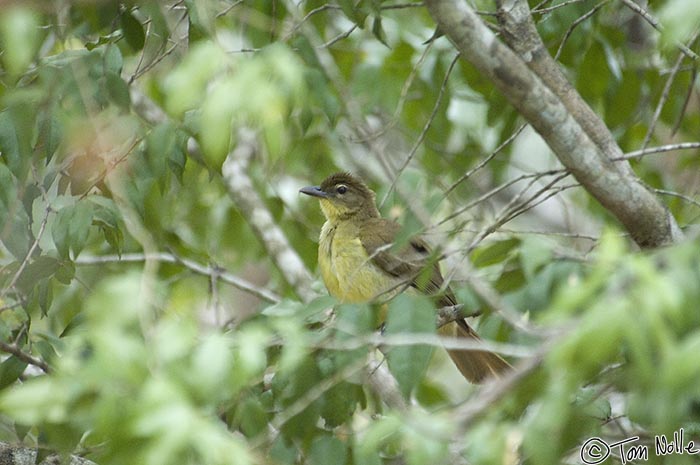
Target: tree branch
x=191 y=265
x=579 y=139
x=246 y=198
x=240 y=188
x=24 y=356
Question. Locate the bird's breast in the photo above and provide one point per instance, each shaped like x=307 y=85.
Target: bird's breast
x=347 y=270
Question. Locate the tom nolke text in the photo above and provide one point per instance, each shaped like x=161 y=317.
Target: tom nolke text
x=596 y=450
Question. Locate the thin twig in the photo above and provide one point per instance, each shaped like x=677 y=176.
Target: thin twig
x=229 y=8
x=25 y=357
x=426 y=127
x=664 y=148
x=28 y=257
x=520 y=232
x=686 y=101
x=428 y=339
x=662 y=100
x=658 y=26
x=543 y=11
x=569 y=31
x=19 y=303
x=679 y=195
x=339 y=37
x=498 y=189
x=486 y=160
x=315 y=392
x=495 y=389
x=191 y=265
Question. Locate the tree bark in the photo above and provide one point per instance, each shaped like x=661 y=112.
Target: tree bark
x=557 y=112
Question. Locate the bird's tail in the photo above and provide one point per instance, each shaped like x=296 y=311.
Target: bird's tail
x=475 y=365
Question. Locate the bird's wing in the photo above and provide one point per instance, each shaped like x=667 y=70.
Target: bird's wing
x=377 y=236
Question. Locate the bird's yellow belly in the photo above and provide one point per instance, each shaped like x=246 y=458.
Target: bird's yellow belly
x=349 y=273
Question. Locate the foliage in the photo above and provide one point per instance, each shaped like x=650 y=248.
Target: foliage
x=123 y=338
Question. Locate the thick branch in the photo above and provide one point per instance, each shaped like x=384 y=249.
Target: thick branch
x=521 y=35
x=241 y=190
x=245 y=196
x=616 y=188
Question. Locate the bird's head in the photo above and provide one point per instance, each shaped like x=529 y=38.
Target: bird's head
x=343 y=196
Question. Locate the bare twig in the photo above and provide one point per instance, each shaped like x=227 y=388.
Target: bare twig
x=664 y=148
x=424 y=131
x=578 y=21
x=679 y=195
x=542 y=11
x=212 y=272
x=686 y=101
x=24 y=356
x=315 y=392
x=428 y=339
x=662 y=100
x=225 y=11
x=658 y=26
x=28 y=257
x=495 y=389
x=497 y=189
x=486 y=160
x=339 y=37
x=19 y=303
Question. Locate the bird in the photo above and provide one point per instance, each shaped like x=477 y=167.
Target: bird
x=359 y=265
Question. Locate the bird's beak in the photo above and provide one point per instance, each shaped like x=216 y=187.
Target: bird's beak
x=313 y=191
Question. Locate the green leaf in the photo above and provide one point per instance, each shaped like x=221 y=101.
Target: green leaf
x=356 y=11
x=352 y=320
x=159 y=31
x=494 y=253
x=37 y=270
x=534 y=254
x=340 y=402
x=113 y=60
x=282 y=452
x=15 y=137
x=431 y=395
x=290 y=387
x=133 y=30
x=160 y=143
x=409 y=315
x=10 y=370
x=327 y=450
x=71 y=227
x=15 y=233
x=49 y=135
x=250 y=417
x=20 y=33
x=680 y=18
x=118 y=90
x=510 y=280
x=378 y=30
x=201 y=19
x=107 y=217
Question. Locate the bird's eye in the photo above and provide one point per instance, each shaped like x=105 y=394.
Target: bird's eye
x=341 y=189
